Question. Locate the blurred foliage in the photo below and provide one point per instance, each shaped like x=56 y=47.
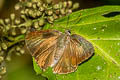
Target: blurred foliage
x=20 y=68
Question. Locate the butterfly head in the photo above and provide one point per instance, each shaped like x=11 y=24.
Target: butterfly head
x=68 y=32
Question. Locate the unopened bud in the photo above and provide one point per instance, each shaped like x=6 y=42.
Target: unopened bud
x=75 y=6
x=12 y=16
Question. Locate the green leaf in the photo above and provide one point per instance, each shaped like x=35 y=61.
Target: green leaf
x=103 y=31
x=36 y=67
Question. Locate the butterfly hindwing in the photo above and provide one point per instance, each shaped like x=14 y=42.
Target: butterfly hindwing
x=46 y=59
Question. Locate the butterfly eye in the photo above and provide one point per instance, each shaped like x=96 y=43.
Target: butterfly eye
x=68 y=32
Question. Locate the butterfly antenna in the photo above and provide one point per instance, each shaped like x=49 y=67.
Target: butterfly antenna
x=67 y=24
x=77 y=20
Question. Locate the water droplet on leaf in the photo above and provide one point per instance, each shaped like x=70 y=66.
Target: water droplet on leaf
x=99 y=67
x=119 y=77
x=94 y=28
x=104 y=62
x=103 y=30
x=118 y=44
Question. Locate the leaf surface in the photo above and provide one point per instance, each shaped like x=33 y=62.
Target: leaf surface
x=102 y=29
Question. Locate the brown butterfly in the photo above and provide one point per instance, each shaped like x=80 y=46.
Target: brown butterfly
x=61 y=51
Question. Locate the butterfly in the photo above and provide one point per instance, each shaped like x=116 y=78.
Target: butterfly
x=61 y=51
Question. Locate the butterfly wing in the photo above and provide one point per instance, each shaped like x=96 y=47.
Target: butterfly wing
x=64 y=64
x=41 y=44
x=84 y=49
x=76 y=51
x=47 y=46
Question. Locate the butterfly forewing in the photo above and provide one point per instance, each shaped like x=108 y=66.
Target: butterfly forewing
x=40 y=40
x=86 y=45
x=41 y=45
